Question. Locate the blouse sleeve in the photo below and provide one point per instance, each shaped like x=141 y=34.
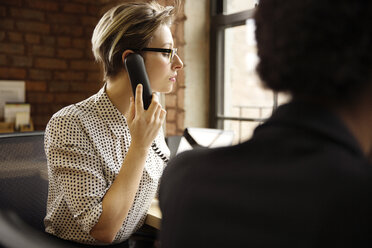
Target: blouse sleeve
x=75 y=169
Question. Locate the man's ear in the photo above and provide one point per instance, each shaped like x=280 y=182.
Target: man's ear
x=125 y=54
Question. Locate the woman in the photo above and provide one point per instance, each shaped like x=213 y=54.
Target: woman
x=106 y=154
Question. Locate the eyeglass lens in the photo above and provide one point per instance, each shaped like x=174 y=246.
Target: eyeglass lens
x=172 y=53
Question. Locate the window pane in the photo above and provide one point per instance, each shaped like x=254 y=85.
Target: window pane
x=244 y=95
x=234 y=6
x=243 y=130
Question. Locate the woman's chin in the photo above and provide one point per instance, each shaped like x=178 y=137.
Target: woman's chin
x=168 y=89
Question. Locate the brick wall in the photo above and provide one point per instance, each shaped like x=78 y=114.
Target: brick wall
x=46 y=43
x=175 y=100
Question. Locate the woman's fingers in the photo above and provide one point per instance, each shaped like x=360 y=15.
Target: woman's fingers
x=132 y=110
x=157 y=113
x=154 y=110
x=163 y=114
x=154 y=104
x=138 y=101
x=145 y=125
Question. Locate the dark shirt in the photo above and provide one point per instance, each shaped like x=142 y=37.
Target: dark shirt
x=301 y=181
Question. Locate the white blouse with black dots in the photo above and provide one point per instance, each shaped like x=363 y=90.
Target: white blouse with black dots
x=86 y=144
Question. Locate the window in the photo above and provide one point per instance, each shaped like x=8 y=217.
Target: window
x=234 y=6
x=238 y=100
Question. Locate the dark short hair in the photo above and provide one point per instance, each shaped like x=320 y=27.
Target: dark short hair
x=315 y=49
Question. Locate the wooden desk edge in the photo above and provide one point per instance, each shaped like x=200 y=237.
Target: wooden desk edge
x=154 y=215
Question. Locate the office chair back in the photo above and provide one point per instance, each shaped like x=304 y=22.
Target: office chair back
x=24 y=176
x=24 y=193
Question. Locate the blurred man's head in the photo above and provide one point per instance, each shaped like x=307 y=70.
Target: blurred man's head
x=317 y=50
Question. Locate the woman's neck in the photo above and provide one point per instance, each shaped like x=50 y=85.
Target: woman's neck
x=119 y=91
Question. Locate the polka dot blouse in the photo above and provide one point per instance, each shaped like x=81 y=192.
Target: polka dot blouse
x=86 y=144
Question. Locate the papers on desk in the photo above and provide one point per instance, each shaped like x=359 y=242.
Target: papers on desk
x=18 y=113
x=13 y=109
x=202 y=137
x=11 y=91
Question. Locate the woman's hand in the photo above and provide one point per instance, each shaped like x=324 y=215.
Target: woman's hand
x=144 y=125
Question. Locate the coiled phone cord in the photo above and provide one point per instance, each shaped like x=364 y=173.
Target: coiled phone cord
x=159 y=153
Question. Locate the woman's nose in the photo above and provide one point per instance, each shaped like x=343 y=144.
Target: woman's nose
x=177 y=63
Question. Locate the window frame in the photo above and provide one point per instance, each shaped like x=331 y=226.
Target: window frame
x=219 y=22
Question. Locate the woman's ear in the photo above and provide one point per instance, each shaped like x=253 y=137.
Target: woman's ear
x=125 y=54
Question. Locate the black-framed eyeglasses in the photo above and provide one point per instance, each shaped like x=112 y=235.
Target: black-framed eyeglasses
x=171 y=52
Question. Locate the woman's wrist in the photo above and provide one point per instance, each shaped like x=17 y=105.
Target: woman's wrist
x=139 y=147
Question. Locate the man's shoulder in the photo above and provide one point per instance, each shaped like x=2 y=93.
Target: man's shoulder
x=200 y=161
x=201 y=155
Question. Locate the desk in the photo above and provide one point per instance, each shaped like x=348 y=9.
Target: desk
x=154 y=215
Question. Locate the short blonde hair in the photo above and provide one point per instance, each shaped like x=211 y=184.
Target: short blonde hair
x=127 y=26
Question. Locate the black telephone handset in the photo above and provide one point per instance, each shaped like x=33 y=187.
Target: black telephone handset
x=136 y=69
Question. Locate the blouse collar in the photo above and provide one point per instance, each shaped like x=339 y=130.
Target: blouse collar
x=109 y=113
